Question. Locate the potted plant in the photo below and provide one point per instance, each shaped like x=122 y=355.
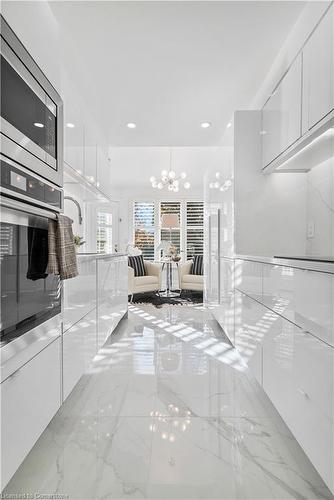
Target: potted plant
x=78 y=241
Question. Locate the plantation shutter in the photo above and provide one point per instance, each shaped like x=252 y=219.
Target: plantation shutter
x=194 y=229
x=171 y=207
x=144 y=228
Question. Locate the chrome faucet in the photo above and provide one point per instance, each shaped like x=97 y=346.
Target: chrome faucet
x=78 y=207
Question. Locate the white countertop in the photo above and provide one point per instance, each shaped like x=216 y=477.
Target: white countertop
x=311 y=265
x=95 y=255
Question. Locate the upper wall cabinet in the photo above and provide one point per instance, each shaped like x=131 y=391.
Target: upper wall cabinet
x=90 y=154
x=103 y=168
x=281 y=115
x=318 y=72
x=73 y=125
x=73 y=138
x=301 y=108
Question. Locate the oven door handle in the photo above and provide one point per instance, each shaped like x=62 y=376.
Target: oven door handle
x=25 y=207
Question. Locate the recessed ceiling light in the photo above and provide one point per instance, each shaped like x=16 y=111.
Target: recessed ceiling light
x=205 y=124
x=70 y=125
x=131 y=125
x=229 y=125
x=39 y=125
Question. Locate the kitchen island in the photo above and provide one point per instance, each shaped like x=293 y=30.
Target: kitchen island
x=94 y=303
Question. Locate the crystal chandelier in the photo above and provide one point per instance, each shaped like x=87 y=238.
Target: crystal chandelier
x=219 y=184
x=169 y=179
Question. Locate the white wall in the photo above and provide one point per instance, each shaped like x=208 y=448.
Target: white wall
x=131 y=168
x=281 y=213
x=320 y=209
x=270 y=210
x=148 y=194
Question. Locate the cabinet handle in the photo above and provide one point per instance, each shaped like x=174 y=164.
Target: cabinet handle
x=303 y=393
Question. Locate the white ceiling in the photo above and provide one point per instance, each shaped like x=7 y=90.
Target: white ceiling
x=132 y=167
x=170 y=65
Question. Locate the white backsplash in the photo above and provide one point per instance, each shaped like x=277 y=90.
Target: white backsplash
x=320 y=210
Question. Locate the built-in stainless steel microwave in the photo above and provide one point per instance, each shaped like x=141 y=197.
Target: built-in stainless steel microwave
x=31 y=111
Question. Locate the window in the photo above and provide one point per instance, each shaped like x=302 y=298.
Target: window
x=104 y=232
x=171 y=207
x=148 y=233
x=194 y=228
x=144 y=228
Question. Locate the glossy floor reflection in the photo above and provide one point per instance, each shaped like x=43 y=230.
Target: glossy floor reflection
x=168 y=410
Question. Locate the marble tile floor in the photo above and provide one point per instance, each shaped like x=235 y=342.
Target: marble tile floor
x=168 y=411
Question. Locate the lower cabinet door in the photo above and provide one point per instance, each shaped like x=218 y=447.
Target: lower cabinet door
x=298 y=377
x=79 y=348
x=80 y=292
x=106 y=293
x=32 y=396
x=224 y=314
x=248 y=277
x=112 y=295
x=304 y=297
x=252 y=323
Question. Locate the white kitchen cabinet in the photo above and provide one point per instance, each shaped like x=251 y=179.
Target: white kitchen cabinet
x=304 y=297
x=106 y=290
x=30 y=397
x=211 y=252
x=121 y=287
x=83 y=339
x=80 y=292
x=103 y=169
x=112 y=294
x=73 y=134
x=281 y=115
x=224 y=311
x=74 y=109
x=252 y=322
x=73 y=147
x=79 y=348
x=298 y=378
x=248 y=278
x=318 y=72
x=90 y=154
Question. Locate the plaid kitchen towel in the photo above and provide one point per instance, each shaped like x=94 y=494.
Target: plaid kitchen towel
x=62 y=254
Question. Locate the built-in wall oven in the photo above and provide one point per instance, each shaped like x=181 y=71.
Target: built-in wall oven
x=31 y=111
x=29 y=296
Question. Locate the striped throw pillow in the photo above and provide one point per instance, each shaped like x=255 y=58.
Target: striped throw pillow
x=197 y=265
x=137 y=264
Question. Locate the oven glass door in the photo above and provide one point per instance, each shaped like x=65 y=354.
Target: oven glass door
x=29 y=110
x=28 y=295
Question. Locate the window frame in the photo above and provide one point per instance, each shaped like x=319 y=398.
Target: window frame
x=157 y=222
x=191 y=226
x=159 y=229
x=148 y=227
x=108 y=226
